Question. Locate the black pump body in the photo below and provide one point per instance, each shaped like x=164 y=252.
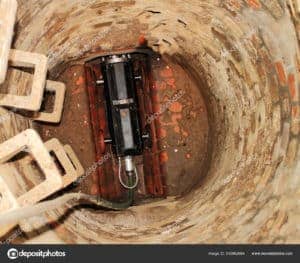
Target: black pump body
x=122 y=105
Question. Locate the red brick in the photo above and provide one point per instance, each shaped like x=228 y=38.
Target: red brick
x=176 y=107
x=292 y=86
x=163 y=157
x=254 y=4
x=142 y=40
x=281 y=73
x=167 y=72
x=295 y=112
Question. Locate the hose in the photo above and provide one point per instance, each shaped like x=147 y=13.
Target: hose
x=22 y=213
x=121 y=180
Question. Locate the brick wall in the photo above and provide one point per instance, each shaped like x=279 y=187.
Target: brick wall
x=245 y=57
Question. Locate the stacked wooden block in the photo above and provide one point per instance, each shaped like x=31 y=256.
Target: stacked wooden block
x=29 y=140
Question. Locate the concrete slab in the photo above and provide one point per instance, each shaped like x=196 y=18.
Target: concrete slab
x=68 y=160
x=55 y=116
x=38 y=62
x=31 y=141
x=7 y=202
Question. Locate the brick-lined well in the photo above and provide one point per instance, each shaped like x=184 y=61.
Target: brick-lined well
x=244 y=56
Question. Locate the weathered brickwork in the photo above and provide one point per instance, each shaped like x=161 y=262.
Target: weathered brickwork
x=245 y=56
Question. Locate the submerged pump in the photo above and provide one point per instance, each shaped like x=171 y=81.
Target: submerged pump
x=122 y=112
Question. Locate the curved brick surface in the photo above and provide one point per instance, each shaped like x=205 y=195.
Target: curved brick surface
x=246 y=53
